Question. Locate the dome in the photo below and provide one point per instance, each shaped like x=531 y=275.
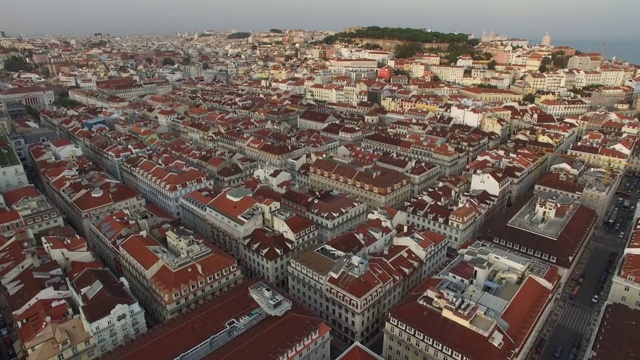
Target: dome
x=546 y=40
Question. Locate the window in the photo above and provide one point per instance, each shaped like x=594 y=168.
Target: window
x=624 y=298
x=626 y=288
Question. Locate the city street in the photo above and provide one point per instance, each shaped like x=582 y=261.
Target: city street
x=576 y=315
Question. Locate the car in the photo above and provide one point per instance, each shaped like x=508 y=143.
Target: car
x=558 y=352
x=616 y=208
x=595 y=299
x=540 y=345
x=4 y=332
x=577 y=342
x=621 y=235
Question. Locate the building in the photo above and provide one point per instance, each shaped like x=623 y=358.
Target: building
x=35 y=209
x=625 y=288
x=377 y=186
x=251 y=318
x=62 y=340
x=490 y=95
x=12 y=173
x=487 y=303
x=354 y=279
x=163 y=185
x=547 y=226
x=332 y=212
x=34 y=96
x=228 y=217
x=172 y=278
x=614 y=339
x=108 y=310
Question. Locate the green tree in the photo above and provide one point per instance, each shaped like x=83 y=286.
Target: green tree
x=543 y=68
x=33 y=112
x=66 y=102
x=168 y=61
x=149 y=60
x=530 y=98
x=408 y=50
x=277 y=31
x=436 y=78
x=17 y=63
x=492 y=65
x=239 y=35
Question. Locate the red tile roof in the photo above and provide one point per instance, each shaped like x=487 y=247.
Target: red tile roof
x=270 y=338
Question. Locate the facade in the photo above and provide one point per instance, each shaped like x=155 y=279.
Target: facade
x=548 y=226
x=625 y=288
x=455 y=315
x=251 y=318
x=350 y=280
x=108 y=310
x=62 y=340
x=169 y=280
x=12 y=173
x=164 y=185
x=36 y=97
x=332 y=212
x=377 y=186
x=35 y=209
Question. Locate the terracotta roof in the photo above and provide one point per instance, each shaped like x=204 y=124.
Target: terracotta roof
x=616 y=336
x=97 y=305
x=269 y=338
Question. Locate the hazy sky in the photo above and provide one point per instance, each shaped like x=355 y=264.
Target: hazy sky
x=562 y=18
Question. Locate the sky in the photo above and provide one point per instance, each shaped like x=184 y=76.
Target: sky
x=515 y=18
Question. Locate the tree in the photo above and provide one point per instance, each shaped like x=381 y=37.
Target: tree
x=530 y=98
x=408 y=50
x=277 y=31
x=33 y=112
x=16 y=63
x=149 y=60
x=168 y=61
x=492 y=65
x=542 y=68
x=474 y=42
x=66 y=102
x=436 y=78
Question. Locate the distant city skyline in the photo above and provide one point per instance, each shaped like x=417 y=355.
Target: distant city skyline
x=563 y=19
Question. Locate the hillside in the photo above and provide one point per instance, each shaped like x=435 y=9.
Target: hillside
x=401 y=34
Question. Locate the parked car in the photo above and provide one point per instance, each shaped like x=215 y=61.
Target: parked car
x=540 y=345
x=595 y=299
x=621 y=235
x=4 y=332
x=558 y=352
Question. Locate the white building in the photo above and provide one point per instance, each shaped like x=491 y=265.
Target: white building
x=164 y=185
x=108 y=310
x=12 y=173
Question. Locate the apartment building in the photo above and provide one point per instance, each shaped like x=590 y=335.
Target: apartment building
x=251 y=318
x=82 y=191
x=62 y=340
x=169 y=279
x=548 y=226
x=227 y=218
x=333 y=213
x=448 y=158
x=353 y=280
x=376 y=186
x=625 y=288
x=108 y=310
x=163 y=185
x=487 y=303
x=34 y=208
x=12 y=173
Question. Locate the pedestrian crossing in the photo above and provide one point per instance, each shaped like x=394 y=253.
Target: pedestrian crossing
x=576 y=317
x=608 y=246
